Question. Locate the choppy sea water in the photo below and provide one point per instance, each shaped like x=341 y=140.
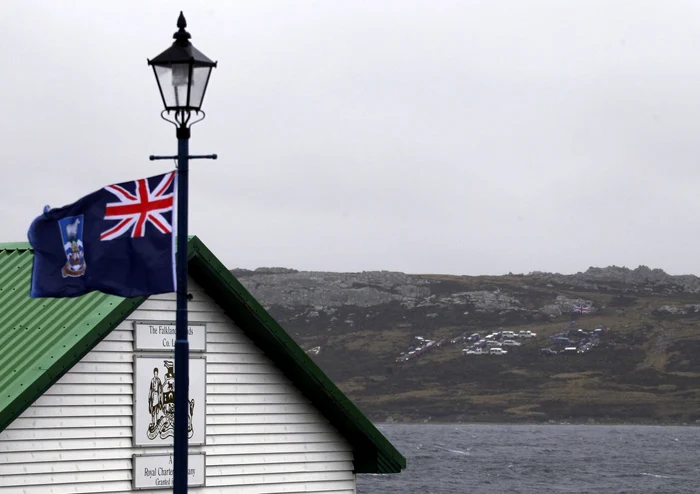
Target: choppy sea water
x=540 y=459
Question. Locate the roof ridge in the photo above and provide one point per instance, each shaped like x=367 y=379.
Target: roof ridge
x=27 y=246
x=15 y=246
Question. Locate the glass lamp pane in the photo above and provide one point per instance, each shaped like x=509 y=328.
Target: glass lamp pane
x=181 y=74
x=200 y=78
x=173 y=81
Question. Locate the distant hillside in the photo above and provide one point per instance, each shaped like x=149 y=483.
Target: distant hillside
x=357 y=325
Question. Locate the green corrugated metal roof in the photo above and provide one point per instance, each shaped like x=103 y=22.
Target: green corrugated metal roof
x=41 y=339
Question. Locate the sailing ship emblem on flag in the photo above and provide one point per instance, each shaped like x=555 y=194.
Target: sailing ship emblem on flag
x=72 y=238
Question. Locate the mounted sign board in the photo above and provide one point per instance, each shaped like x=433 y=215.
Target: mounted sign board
x=155 y=471
x=159 y=336
x=154 y=400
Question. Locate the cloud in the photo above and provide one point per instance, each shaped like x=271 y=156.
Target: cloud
x=458 y=137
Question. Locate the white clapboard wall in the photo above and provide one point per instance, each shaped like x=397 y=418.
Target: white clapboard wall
x=263 y=436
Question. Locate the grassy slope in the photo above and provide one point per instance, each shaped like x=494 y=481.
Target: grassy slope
x=646 y=369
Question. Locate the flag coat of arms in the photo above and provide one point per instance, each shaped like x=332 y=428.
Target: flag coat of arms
x=118 y=240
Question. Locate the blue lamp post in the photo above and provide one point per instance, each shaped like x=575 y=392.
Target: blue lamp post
x=182 y=73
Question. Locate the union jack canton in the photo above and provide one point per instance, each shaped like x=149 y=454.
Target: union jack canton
x=134 y=210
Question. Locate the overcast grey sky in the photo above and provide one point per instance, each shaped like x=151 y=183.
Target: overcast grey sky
x=464 y=137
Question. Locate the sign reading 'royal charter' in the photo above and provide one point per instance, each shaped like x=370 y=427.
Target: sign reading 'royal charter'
x=156 y=471
x=154 y=400
x=159 y=336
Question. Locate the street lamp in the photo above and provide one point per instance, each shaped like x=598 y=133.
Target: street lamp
x=182 y=73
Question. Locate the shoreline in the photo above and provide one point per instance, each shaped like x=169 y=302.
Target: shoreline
x=553 y=423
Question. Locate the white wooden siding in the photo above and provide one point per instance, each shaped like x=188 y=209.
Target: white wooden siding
x=263 y=436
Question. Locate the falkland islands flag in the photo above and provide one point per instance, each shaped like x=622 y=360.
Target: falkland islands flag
x=118 y=240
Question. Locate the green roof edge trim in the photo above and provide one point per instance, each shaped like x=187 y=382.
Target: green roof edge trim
x=373 y=452
x=71 y=357
x=15 y=246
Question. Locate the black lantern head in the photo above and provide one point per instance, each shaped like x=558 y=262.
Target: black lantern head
x=182 y=73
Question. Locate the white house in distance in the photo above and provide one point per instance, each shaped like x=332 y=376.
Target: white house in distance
x=86 y=397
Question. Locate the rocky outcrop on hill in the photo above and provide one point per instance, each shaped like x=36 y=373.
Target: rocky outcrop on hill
x=373 y=299
x=612 y=278
x=286 y=291
x=309 y=301
x=563 y=305
x=677 y=309
x=291 y=288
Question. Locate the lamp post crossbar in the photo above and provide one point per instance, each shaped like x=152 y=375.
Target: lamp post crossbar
x=190 y=157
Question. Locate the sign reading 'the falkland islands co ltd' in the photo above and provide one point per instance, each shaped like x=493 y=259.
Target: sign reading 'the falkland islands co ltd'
x=156 y=471
x=159 y=336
